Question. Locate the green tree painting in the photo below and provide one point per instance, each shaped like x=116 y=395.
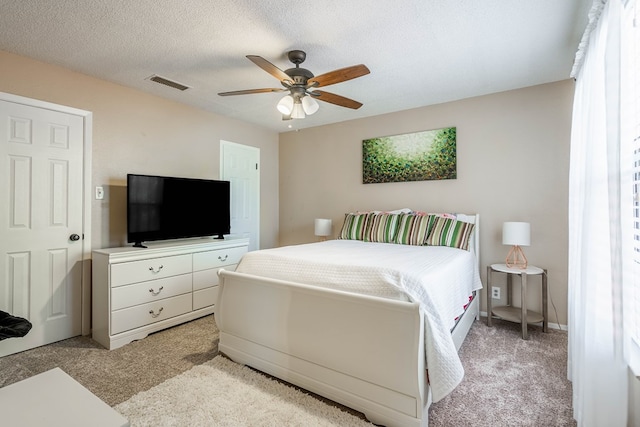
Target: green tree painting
x=419 y=156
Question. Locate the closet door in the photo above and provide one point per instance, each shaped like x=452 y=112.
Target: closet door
x=240 y=164
x=41 y=222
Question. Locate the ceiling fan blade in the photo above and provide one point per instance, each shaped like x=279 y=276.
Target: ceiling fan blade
x=332 y=98
x=337 y=76
x=269 y=68
x=250 y=91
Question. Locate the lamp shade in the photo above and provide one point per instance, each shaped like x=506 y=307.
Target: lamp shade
x=297 y=112
x=322 y=227
x=516 y=233
x=309 y=105
x=285 y=106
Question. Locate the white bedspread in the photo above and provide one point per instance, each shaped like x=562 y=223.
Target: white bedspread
x=439 y=278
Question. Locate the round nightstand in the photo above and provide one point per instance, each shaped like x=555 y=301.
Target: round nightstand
x=518 y=314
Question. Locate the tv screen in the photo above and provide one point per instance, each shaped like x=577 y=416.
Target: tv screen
x=163 y=208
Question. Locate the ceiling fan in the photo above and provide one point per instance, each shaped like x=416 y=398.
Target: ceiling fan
x=301 y=85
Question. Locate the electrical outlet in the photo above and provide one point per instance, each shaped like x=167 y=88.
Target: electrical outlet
x=495 y=292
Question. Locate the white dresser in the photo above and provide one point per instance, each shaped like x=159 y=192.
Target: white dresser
x=136 y=291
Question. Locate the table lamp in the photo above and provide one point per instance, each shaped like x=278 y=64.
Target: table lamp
x=322 y=228
x=516 y=234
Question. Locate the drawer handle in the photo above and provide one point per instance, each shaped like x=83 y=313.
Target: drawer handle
x=154 y=315
x=156 y=271
x=223 y=259
x=154 y=293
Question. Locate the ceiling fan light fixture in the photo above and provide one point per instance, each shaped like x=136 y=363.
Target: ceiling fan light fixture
x=298 y=111
x=285 y=106
x=301 y=83
x=310 y=105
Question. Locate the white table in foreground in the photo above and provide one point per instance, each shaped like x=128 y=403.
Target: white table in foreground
x=53 y=398
x=518 y=314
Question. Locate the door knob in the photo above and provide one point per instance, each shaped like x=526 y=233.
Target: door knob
x=74 y=237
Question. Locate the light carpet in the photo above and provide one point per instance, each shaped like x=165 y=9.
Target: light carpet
x=223 y=393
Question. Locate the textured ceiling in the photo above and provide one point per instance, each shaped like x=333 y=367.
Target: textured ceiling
x=420 y=52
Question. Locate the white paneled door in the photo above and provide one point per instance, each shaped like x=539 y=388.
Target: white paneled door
x=41 y=222
x=240 y=164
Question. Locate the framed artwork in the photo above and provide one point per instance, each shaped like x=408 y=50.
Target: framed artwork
x=419 y=156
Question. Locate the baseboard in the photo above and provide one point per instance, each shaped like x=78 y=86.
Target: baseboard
x=552 y=325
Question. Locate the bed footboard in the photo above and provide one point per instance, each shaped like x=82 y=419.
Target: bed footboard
x=361 y=351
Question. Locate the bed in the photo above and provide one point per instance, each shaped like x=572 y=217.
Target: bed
x=360 y=320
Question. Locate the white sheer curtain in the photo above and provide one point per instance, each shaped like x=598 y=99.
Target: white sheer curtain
x=600 y=218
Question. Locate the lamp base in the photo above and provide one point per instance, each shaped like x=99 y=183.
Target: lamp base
x=516 y=258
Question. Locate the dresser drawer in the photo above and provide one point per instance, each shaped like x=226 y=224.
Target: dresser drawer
x=145 y=314
x=149 y=269
x=152 y=290
x=205 y=297
x=217 y=258
x=205 y=278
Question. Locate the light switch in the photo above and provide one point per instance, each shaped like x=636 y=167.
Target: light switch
x=99 y=193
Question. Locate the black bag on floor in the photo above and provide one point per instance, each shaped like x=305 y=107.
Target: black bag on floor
x=12 y=326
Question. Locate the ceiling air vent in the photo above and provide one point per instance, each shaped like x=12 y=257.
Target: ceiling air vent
x=167 y=82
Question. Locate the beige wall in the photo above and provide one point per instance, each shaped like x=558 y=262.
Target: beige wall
x=140 y=133
x=513 y=165
x=634 y=400
x=513 y=150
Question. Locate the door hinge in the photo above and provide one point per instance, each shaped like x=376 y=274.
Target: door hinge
x=256 y=166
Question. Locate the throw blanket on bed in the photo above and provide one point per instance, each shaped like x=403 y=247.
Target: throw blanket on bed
x=439 y=278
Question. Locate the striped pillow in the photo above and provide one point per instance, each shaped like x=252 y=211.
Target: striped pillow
x=449 y=232
x=382 y=228
x=355 y=226
x=413 y=229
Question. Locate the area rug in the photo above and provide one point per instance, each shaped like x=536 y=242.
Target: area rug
x=223 y=393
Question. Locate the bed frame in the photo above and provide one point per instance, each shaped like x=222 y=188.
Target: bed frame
x=329 y=342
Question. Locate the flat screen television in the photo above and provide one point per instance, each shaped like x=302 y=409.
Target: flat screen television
x=164 y=208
